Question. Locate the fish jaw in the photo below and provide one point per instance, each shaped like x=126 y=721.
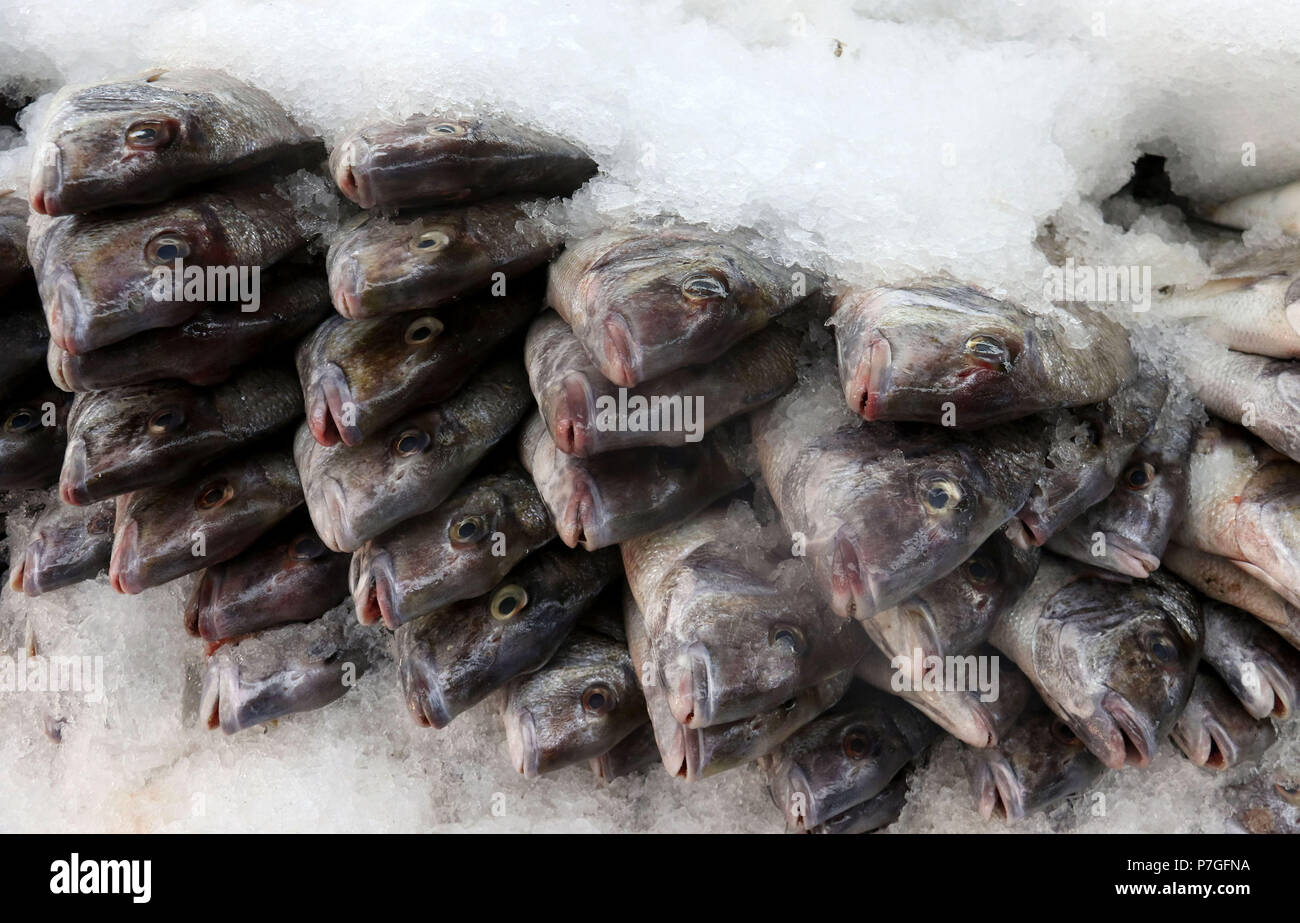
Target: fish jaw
x=330 y=516
x=126 y=568
x=907 y=630
x=792 y=793
x=622 y=360
x=572 y=417
x=1129 y=739
x=424 y=695
x=521 y=741
x=852 y=591
x=346 y=279
x=997 y=790
x=65 y=313
x=327 y=408
x=579 y=524
x=352 y=181
x=863 y=389
x=1128 y=559
x=201 y=610
x=686 y=680
x=47 y=181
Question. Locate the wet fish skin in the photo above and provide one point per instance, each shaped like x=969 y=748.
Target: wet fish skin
x=203 y=350
x=26 y=336
x=1218 y=578
x=226 y=507
x=279 y=672
x=13 y=238
x=30 y=450
x=637 y=751
x=359 y=375
x=449 y=554
x=447 y=157
x=1215 y=732
x=355 y=493
x=601 y=501
x=147 y=435
x=1038 y=763
x=1262 y=393
x=579 y=705
x=287 y=575
x=138 y=140
x=874 y=814
x=571 y=391
x=904 y=353
x=67 y=544
x=648 y=301
x=846 y=756
x=380 y=265
x=1261 y=669
x=452 y=658
x=1114 y=660
x=96 y=271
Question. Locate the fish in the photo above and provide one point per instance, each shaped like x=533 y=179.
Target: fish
x=1261 y=669
x=1244 y=505
x=943 y=352
x=1215 y=732
x=67 y=544
x=697 y=753
x=884 y=509
x=846 y=756
x=647 y=301
x=33 y=434
x=606 y=499
x=107 y=276
x=380 y=265
x=454 y=657
x=1129 y=531
x=869 y=816
x=447 y=157
x=977 y=717
x=1277 y=205
x=579 y=705
x=26 y=336
x=1038 y=764
x=637 y=751
x=461 y=549
x=139 y=139
x=728 y=638
x=148 y=435
x=355 y=493
x=160 y=531
x=13 y=238
x=360 y=375
x=1090 y=448
x=286 y=575
x=1266 y=802
x=1261 y=394
x=204 y=350
x=587 y=414
x=278 y=672
x=1115 y=661
x=1218 y=578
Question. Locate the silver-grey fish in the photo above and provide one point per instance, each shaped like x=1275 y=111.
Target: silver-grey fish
x=1215 y=732
x=67 y=544
x=1261 y=394
x=33 y=433
x=1261 y=669
x=869 y=816
x=1218 y=578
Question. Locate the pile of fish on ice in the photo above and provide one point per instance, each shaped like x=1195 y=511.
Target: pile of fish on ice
x=774 y=543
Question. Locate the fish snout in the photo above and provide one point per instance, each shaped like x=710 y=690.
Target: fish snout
x=1137 y=736
x=1129 y=559
x=125 y=565
x=331 y=410
x=863 y=388
x=47 y=181
x=73 y=487
x=521 y=741
x=573 y=417
x=205 y=603
x=689 y=687
x=622 y=356
x=346 y=279
x=997 y=790
x=331 y=517
x=423 y=693
x=348 y=175
x=576 y=526
x=65 y=312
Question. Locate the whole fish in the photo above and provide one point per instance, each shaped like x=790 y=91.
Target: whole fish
x=278 y=672
x=883 y=509
x=460 y=550
x=646 y=301
x=13 y=237
x=67 y=544
x=287 y=575
x=1218 y=578
x=1038 y=763
x=26 y=336
x=1261 y=669
x=727 y=639
x=600 y=501
x=139 y=139
x=452 y=658
x=1114 y=660
x=452 y=157
x=1261 y=394
x=1266 y=802
x=1215 y=732
x=868 y=816
x=845 y=757
x=382 y=265
x=145 y=435
x=1090 y=449
x=1129 y=531
x=1244 y=505
x=33 y=434
x=359 y=375
x=637 y=751
x=162 y=533
x=105 y=277
x=203 y=350
x=942 y=352
x=580 y=705
x=355 y=493
x=587 y=414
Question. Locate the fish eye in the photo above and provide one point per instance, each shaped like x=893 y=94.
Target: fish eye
x=704 y=287
x=422 y=330
x=167 y=420
x=1139 y=476
x=468 y=530
x=167 y=247
x=214 y=494
x=788 y=636
x=857 y=743
x=448 y=128
x=789 y=704
x=20 y=421
x=988 y=351
x=939 y=494
x=598 y=699
x=410 y=442
x=431 y=241
x=508 y=602
x=981 y=571
x=1062 y=733
x=1290 y=791
x=150 y=134
x=1161 y=646
x=305 y=547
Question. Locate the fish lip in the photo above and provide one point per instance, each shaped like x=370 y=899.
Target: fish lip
x=870 y=379
x=47 y=181
x=691 y=699
x=326 y=411
x=622 y=363
x=1033 y=525
x=381 y=589
x=426 y=702
x=573 y=417
x=521 y=740
x=1000 y=791
x=849 y=584
x=1129 y=559
x=204 y=602
x=64 y=309
x=17 y=574
x=124 y=565
x=1284 y=691
x=796 y=783
x=919 y=634
x=351 y=182
x=345 y=287
x=336 y=533
x=1018 y=535
x=1139 y=740
x=73 y=489
x=575 y=525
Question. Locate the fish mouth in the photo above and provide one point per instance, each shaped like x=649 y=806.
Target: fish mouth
x=381 y=601
x=573 y=417
x=521 y=741
x=576 y=526
x=47 y=183
x=327 y=411
x=853 y=590
x=622 y=363
x=683 y=758
x=1134 y=739
x=351 y=183
x=802 y=812
x=998 y=791
x=908 y=630
x=346 y=279
x=64 y=312
x=73 y=487
x=58 y=364
x=1032 y=531
x=690 y=695
x=1276 y=686
x=426 y=702
x=125 y=565
x=1209 y=745
x=333 y=528
x=870 y=379
x=1129 y=559
x=204 y=603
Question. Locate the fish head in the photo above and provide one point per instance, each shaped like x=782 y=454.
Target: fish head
x=32 y=437
x=1143 y=512
x=429 y=158
x=1215 y=732
x=65 y=545
x=1267 y=526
